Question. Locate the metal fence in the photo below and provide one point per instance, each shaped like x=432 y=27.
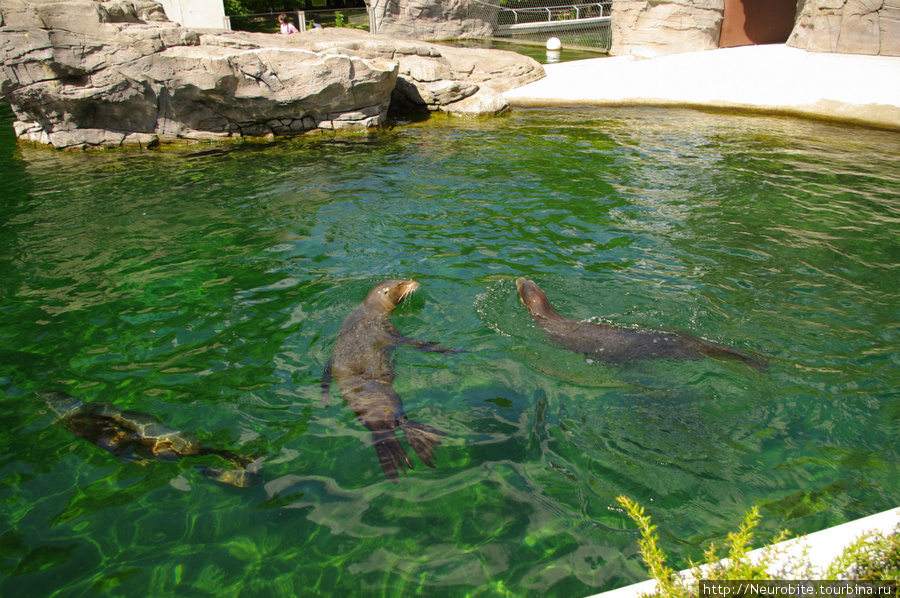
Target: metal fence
x=581 y=26
x=357 y=18
x=585 y=26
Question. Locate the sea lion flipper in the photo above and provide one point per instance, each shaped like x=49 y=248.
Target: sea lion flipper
x=239 y=478
x=242 y=477
x=239 y=461
x=391 y=455
x=326 y=382
x=755 y=360
x=710 y=349
x=429 y=346
x=255 y=466
x=423 y=439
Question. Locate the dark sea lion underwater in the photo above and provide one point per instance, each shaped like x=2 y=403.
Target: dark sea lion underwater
x=361 y=365
x=619 y=345
x=139 y=436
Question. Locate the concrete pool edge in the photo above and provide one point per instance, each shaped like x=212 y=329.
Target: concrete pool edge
x=819 y=549
x=771 y=79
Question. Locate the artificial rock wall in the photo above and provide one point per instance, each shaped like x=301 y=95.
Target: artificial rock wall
x=648 y=28
x=433 y=20
x=848 y=27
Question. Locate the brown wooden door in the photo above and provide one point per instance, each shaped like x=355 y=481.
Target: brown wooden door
x=748 y=22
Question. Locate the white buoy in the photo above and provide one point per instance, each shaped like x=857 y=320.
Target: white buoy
x=554 y=44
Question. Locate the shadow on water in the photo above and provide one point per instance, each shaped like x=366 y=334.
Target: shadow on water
x=207 y=286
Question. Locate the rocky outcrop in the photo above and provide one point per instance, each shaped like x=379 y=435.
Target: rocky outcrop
x=433 y=20
x=440 y=78
x=81 y=73
x=648 y=28
x=849 y=27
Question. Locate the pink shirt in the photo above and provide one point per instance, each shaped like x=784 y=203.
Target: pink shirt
x=288 y=28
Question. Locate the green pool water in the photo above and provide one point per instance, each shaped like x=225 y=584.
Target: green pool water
x=535 y=50
x=206 y=286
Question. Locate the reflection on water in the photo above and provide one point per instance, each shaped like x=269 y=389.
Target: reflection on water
x=206 y=286
x=536 y=50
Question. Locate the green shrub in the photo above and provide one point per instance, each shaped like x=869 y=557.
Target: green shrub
x=873 y=557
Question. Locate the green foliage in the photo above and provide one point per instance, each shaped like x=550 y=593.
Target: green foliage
x=338 y=19
x=236 y=7
x=736 y=564
x=872 y=557
x=654 y=557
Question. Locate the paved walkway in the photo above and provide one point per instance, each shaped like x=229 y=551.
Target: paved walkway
x=773 y=78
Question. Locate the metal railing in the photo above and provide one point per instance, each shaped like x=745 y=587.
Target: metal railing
x=556 y=13
x=578 y=25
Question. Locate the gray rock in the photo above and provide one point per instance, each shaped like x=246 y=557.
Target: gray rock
x=434 y=20
x=848 y=27
x=484 y=102
x=649 y=28
x=82 y=73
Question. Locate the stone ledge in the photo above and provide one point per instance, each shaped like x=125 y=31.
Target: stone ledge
x=773 y=79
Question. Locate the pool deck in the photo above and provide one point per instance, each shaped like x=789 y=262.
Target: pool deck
x=772 y=79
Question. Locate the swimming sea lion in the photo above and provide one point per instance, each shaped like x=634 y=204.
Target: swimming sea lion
x=618 y=345
x=133 y=435
x=362 y=366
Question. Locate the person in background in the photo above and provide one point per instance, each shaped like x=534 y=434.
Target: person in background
x=287 y=27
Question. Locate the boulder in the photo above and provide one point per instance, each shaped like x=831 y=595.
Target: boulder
x=483 y=102
x=430 y=75
x=81 y=73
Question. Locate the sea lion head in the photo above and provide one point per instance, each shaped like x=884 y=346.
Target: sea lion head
x=535 y=300
x=388 y=294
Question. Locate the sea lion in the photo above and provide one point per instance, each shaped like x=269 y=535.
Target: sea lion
x=136 y=436
x=618 y=345
x=361 y=364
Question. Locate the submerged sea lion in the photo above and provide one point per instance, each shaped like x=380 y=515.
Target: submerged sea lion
x=137 y=436
x=362 y=366
x=618 y=345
